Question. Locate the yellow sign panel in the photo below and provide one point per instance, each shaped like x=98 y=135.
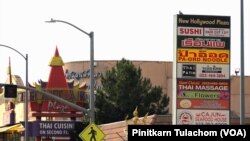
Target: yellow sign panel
x=92 y=133
x=203 y=56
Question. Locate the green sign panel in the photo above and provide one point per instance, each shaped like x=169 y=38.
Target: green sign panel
x=203 y=95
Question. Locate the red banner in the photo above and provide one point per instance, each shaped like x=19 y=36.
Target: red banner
x=203 y=104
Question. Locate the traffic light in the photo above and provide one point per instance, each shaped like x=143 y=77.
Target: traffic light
x=10 y=91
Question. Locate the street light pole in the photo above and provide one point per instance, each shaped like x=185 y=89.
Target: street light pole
x=92 y=103
x=27 y=91
x=91 y=36
x=242 y=69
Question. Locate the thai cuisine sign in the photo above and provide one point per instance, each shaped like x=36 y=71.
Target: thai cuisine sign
x=52 y=128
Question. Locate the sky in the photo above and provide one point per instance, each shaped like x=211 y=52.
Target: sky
x=130 y=29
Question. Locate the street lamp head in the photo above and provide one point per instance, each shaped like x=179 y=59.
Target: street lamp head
x=51 y=21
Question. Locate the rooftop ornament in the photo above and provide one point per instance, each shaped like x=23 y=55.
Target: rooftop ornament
x=136 y=120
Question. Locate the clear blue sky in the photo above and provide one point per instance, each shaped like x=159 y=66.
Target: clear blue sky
x=133 y=29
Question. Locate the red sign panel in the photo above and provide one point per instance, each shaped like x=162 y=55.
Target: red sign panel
x=203 y=104
x=203 y=85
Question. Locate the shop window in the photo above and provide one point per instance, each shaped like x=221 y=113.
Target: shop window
x=20 y=97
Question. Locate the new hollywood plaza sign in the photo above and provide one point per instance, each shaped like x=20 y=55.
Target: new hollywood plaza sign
x=202 y=44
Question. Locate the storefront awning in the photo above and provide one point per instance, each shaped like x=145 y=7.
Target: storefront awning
x=17 y=127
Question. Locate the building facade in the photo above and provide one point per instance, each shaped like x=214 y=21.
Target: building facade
x=160 y=74
x=48 y=119
x=75 y=76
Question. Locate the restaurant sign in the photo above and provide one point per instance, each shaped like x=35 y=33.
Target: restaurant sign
x=203 y=56
x=52 y=128
x=202 y=117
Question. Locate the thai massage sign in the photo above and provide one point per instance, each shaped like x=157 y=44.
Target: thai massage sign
x=203 y=85
x=202 y=69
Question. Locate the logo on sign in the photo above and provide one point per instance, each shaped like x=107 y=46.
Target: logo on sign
x=54 y=106
x=185 y=118
x=188 y=70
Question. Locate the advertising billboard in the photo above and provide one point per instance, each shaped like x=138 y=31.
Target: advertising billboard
x=203 y=56
x=203 y=104
x=52 y=128
x=203 y=85
x=201 y=69
x=202 y=117
x=203 y=42
x=210 y=95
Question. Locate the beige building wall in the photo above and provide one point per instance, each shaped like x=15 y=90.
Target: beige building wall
x=2 y=109
x=235 y=95
x=160 y=73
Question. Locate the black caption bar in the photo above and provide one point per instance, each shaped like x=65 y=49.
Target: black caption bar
x=195 y=132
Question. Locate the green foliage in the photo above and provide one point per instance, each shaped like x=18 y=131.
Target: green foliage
x=123 y=89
